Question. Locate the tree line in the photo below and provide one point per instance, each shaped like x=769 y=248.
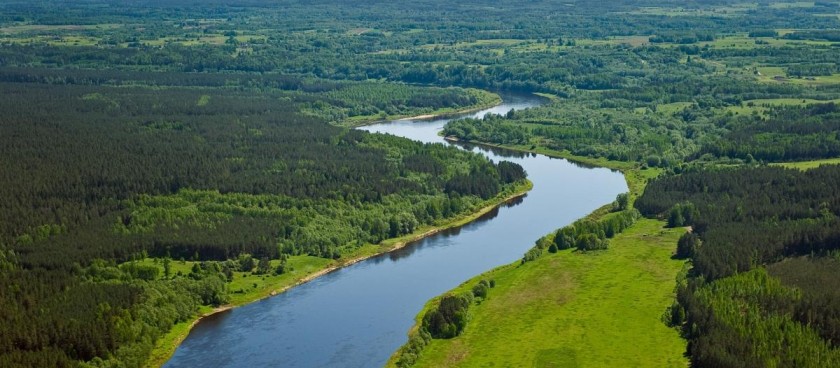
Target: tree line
x=763 y=247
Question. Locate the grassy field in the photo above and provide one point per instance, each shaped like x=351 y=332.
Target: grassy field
x=805 y=165
x=672 y=108
x=762 y=106
x=720 y=11
x=571 y=309
x=23 y=28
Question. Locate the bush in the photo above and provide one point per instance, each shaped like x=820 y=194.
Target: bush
x=532 y=254
x=590 y=241
x=450 y=317
x=687 y=244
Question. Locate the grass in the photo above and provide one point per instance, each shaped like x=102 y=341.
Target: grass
x=717 y=11
x=798 y=4
x=672 y=108
x=789 y=101
x=806 y=165
x=769 y=74
x=247 y=287
x=203 y=100
x=67 y=40
x=200 y=39
x=572 y=309
x=22 y=28
x=633 y=41
x=762 y=106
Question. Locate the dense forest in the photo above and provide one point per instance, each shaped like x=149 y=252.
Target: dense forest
x=204 y=136
x=97 y=176
x=764 y=246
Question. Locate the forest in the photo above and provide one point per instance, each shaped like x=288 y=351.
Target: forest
x=96 y=177
x=153 y=152
x=764 y=249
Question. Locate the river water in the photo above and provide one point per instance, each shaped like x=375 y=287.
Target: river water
x=359 y=315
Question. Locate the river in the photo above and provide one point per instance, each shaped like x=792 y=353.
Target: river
x=359 y=315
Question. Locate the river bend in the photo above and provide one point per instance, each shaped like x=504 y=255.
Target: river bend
x=359 y=315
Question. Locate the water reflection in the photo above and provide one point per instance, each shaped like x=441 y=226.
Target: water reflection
x=417 y=245
x=495 y=151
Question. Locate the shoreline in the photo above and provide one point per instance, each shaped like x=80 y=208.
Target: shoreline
x=635 y=185
x=439 y=115
x=621 y=166
x=166 y=353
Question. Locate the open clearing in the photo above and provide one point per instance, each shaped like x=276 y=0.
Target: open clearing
x=805 y=165
x=571 y=309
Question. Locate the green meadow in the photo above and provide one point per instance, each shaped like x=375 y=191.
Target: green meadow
x=805 y=165
x=573 y=309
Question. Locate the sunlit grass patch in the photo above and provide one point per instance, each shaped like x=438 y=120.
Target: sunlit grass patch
x=576 y=309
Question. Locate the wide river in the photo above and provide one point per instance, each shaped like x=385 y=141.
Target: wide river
x=359 y=315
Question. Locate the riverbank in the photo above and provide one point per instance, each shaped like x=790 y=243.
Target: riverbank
x=486 y=100
x=593 y=292
x=167 y=344
x=601 y=308
x=635 y=176
x=494 y=327
x=563 y=308
x=581 y=160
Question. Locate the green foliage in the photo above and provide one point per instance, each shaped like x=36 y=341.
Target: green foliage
x=510 y=172
x=751 y=216
x=564 y=238
x=409 y=352
x=816 y=278
x=536 y=313
x=532 y=254
x=450 y=317
x=764 y=33
x=585 y=234
x=730 y=309
x=682 y=214
x=790 y=134
x=687 y=245
x=194 y=139
x=752 y=324
x=116 y=320
x=621 y=202
x=481 y=289
x=282 y=267
x=589 y=241
x=444 y=321
x=489 y=129
x=138 y=271
x=239 y=181
x=264 y=266
x=246 y=263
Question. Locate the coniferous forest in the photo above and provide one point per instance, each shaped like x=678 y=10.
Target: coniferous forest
x=154 y=154
x=764 y=248
x=95 y=177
